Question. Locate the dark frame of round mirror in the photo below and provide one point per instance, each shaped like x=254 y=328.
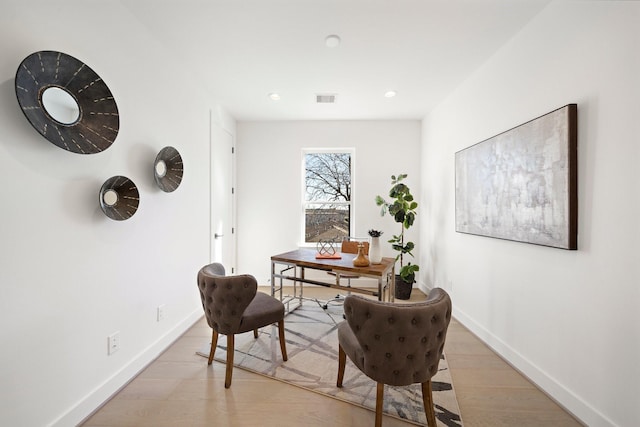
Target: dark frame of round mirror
x=98 y=121
x=173 y=169
x=127 y=200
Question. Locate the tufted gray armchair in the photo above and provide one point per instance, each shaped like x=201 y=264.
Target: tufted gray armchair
x=232 y=306
x=395 y=344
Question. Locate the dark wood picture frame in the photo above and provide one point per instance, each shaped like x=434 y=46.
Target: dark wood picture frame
x=522 y=184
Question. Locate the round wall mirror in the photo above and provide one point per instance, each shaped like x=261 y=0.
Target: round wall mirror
x=67 y=102
x=168 y=169
x=60 y=105
x=161 y=168
x=119 y=198
x=110 y=197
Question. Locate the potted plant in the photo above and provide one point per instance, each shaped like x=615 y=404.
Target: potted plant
x=402 y=208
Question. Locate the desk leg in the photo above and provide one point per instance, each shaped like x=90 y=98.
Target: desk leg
x=392 y=289
x=273 y=281
x=387 y=292
x=277 y=290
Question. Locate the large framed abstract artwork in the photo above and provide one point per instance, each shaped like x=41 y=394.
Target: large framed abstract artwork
x=521 y=185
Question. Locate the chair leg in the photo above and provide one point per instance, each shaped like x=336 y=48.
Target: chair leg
x=214 y=344
x=427 y=400
x=283 y=344
x=379 y=400
x=255 y=333
x=342 y=361
x=229 y=372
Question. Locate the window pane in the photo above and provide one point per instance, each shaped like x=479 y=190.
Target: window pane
x=328 y=177
x=326 y=221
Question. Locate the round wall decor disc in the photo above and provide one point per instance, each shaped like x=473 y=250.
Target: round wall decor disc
x=91 y=128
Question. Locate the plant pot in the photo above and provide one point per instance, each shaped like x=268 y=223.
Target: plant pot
x=403 y=289
x=375 y=255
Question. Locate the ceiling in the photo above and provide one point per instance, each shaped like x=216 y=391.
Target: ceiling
x=243 y=50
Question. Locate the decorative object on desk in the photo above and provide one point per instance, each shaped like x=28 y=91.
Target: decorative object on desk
x=361 y=260
x=375 y=254
x=403 y=210
x=119 y=198
x=168 y=169
x=67 y=102
x=327 y=249
x=312 y=346
x=521 y=185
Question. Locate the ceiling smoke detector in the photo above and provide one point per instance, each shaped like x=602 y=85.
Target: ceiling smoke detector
x=325 y=98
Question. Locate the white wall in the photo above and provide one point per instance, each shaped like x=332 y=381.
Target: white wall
x=568 y=319
x=70 y=276
x=269 y=175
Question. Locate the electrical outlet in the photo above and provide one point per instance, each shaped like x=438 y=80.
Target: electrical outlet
x=113 y=343
x=161 y=312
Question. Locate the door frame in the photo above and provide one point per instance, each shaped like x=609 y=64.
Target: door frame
x=215 y=126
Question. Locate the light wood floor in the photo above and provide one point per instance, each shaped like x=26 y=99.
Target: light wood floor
x=179 y=389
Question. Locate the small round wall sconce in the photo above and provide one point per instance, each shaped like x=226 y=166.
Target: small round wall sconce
x=67 y=102
x=119 y=198
x=168 y=169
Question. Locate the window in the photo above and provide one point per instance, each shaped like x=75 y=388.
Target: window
x=327 y=190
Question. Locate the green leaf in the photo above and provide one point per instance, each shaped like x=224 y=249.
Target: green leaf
x=398 y=190
x=408 y=272
x=409 y=219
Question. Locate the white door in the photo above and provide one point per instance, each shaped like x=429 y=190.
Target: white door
x=222 y=199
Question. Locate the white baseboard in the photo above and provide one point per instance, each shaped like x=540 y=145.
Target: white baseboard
x=556 y=391
x=101 y=394
x=423 y=288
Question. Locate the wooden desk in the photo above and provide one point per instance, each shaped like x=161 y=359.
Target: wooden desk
x=293 y=265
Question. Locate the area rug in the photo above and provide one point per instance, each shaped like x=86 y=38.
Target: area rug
x=312 y=347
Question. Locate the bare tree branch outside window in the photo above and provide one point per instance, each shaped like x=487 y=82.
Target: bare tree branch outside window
x=327 y=195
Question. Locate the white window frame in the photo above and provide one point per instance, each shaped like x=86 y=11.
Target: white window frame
x=303 y=188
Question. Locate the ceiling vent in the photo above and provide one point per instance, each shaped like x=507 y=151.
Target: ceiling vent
x=325 y=98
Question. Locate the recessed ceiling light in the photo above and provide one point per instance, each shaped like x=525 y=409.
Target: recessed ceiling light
x=390 y=94
x=274 y=96
x=332 y=40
